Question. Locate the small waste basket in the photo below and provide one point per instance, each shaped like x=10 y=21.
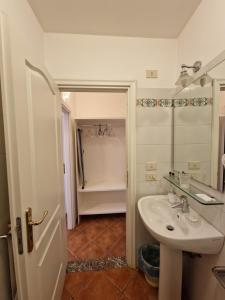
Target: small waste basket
x=148 y=262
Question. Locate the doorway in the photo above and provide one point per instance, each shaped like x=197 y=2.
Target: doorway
x=119 y=219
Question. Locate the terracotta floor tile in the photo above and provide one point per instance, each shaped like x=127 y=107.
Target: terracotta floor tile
x=66 y=295
x=124 y=297
x=76 y=241
x=91 y=251
x=100 y=288
x=121 y=277
x=86 y=221
x=139 y=289
x=70 y=256
x=103 y=230
x=107 y=240
x=119 y=249
x=94 y=230
x=118 y=229
x=76 y=281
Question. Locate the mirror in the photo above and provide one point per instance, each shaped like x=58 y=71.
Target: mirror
x=192 y=132
x=199 y=129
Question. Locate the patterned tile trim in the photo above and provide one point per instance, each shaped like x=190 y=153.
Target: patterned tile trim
x=149 y=102
x=96 y=264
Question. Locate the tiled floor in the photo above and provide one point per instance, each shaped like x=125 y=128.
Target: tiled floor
x=98 y=237
x=112 y=284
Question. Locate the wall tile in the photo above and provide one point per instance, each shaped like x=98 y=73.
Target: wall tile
x=154 y=135
x=185 y=153
x=150 y=116
x=153 y=152
x=193 y=115
x=200 y=134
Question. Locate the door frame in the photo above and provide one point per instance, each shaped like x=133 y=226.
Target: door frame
x=130 y=87
x=71 y=208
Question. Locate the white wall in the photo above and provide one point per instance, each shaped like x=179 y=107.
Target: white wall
x=98 y=104
x=73 y=56
x=203 y=35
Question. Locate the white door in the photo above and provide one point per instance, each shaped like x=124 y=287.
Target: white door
x=40 y=268
x=45 y=262
x=32 y=123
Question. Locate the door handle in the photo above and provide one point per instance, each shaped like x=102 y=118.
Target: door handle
x=29 y=224
x=5 y=236
x=35 y=223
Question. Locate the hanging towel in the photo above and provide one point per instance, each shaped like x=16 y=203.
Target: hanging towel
x=80 y=158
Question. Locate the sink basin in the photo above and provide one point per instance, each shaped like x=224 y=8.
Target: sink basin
x=176 y=232
x=175 y=229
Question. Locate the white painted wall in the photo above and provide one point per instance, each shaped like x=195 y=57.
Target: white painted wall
x=203 y=35
x=73 y=56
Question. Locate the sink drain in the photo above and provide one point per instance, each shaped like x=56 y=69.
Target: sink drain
x=170 y=227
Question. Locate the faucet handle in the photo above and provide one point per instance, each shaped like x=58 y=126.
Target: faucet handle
x=184 y=200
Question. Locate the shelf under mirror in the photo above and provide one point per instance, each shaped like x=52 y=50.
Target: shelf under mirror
x=194 y=192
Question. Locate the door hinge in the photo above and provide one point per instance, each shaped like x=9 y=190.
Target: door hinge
x=64 y=168
x=19 y=235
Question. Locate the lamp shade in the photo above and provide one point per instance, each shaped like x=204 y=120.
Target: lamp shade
x=203 y=80
x=183 y=79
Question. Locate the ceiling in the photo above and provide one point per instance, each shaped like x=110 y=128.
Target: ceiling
x=139 y=18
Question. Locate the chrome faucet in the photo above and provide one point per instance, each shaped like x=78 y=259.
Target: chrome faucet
x=183 y=204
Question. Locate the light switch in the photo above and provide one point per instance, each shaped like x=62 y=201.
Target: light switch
x=194 y=165
x=151 y=166
x=151 y=73
x=150 y=177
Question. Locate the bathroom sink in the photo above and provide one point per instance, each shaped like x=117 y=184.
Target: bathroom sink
x=177 y=230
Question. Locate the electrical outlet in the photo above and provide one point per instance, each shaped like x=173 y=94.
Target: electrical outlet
x=151 y=73
x=151 y=166
x=150 y=177
x=194 y=165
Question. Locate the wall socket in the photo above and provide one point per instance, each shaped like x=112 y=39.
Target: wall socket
x=194 y=165
x=150 y=177
x=151 y=166
x=151 y=73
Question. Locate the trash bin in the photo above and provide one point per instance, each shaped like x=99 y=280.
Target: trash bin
x=148 y=262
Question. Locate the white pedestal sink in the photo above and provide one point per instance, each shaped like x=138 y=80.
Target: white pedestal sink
x=176 y=232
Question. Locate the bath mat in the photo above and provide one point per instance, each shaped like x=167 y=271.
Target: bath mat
x=97 y=264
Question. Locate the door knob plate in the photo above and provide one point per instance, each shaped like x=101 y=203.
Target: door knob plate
x=29 y=224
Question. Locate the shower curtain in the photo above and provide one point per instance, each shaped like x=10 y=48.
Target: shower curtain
x=80 y=158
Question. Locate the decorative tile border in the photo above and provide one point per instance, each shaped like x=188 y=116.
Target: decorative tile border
x=96 y=264
x=151 y=102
